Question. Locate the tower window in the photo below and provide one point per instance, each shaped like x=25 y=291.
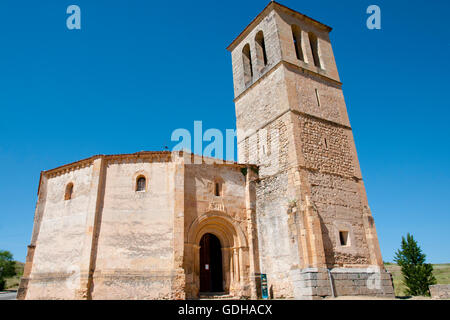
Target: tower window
x=343 y=238
x=141 y=184
x=317 y=97
x=261 y=54
x=69 y=192
x=314 y=43
x=218 y=189
x=297 y=36
x=248 y=67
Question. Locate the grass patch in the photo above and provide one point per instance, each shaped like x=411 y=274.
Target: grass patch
x=440 y=271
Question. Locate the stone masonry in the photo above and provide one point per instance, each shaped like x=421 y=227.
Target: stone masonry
x=133 y=226
x=109 y=240
x=316 y=234
x=440 y=291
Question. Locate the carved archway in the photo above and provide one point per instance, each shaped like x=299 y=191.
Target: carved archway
x=234 y=252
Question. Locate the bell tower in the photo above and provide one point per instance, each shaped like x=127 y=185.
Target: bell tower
x=312 y=214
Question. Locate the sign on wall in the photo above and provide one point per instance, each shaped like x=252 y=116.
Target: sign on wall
x=264 y=291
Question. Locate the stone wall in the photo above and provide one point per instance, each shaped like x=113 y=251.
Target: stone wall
x=316 y=283
x=268 y=148
x=277 y=253
x=112 y=241
x=261 y=105
x=271 y=37
x=338 y=203
x=135 y=245
x=325 y=147
x=310 y=185
x=226 y=217
x=316 y=96
x=365 y=282
x=328 y=65
x=57 y=261
x=440 y=291
x=276 y=27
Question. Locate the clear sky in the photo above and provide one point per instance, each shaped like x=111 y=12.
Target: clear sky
x=137 y=70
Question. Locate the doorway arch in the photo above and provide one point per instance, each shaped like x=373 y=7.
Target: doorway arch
x=211 y=267
x=234 y=249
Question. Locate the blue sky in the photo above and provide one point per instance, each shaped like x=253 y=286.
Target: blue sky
x=137 y=70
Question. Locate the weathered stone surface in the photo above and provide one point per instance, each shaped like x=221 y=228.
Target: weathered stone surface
x=284 y=211
x=292 y=122
x=110 y=241
x=440 y=291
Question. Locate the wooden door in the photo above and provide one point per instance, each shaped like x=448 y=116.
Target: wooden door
x=211 y=278
x=205 y=264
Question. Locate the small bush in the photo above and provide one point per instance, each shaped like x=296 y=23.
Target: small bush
x=7 y=267
x=2 y=284
x=417 y=275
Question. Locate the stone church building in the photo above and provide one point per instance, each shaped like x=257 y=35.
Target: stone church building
x=173 y=225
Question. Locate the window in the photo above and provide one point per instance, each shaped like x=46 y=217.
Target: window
x=314 y=43
x=317 y=97
x=297 y=36
x=141 y=184
x=248 y=67
x=69 y=192
x=343 y=237
x=218 y=189
x=261 y=54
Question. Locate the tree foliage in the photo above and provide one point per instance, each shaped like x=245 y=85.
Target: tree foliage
x=417 y=274
x=7 y=267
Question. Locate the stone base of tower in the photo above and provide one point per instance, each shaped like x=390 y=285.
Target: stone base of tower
x=316 y=283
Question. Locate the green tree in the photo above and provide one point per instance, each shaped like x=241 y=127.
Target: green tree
x=7 y=267
x=417 y=274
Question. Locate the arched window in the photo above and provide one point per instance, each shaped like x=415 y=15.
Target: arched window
x=261 y=54
x=314 y=43
x=248 y=67
x=218 y=189
x=69 y=192
x=297 y=36
x=141 y=184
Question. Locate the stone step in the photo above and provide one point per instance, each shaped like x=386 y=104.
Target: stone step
x=217 y=296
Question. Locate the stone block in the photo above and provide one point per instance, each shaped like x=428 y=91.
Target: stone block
x=440 y=291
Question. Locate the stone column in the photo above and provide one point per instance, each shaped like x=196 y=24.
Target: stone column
x=196 y=249
x=42 y=197
x=310 y=240
x=232 y=273
x=227 y=269
x=93 y=222
x=315 y=231
x=372 y=238
x=179 y=281
x=236 y=265
x=250 y=202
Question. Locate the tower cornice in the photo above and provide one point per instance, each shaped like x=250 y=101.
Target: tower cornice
x=289 y=65
x=273 y=5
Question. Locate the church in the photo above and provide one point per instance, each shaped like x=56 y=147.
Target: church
x=174 y=225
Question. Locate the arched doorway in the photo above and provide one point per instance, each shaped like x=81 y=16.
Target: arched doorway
x=234 y=249
x=211 y=267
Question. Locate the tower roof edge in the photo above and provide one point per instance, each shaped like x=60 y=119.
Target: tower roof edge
x=267 y=9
